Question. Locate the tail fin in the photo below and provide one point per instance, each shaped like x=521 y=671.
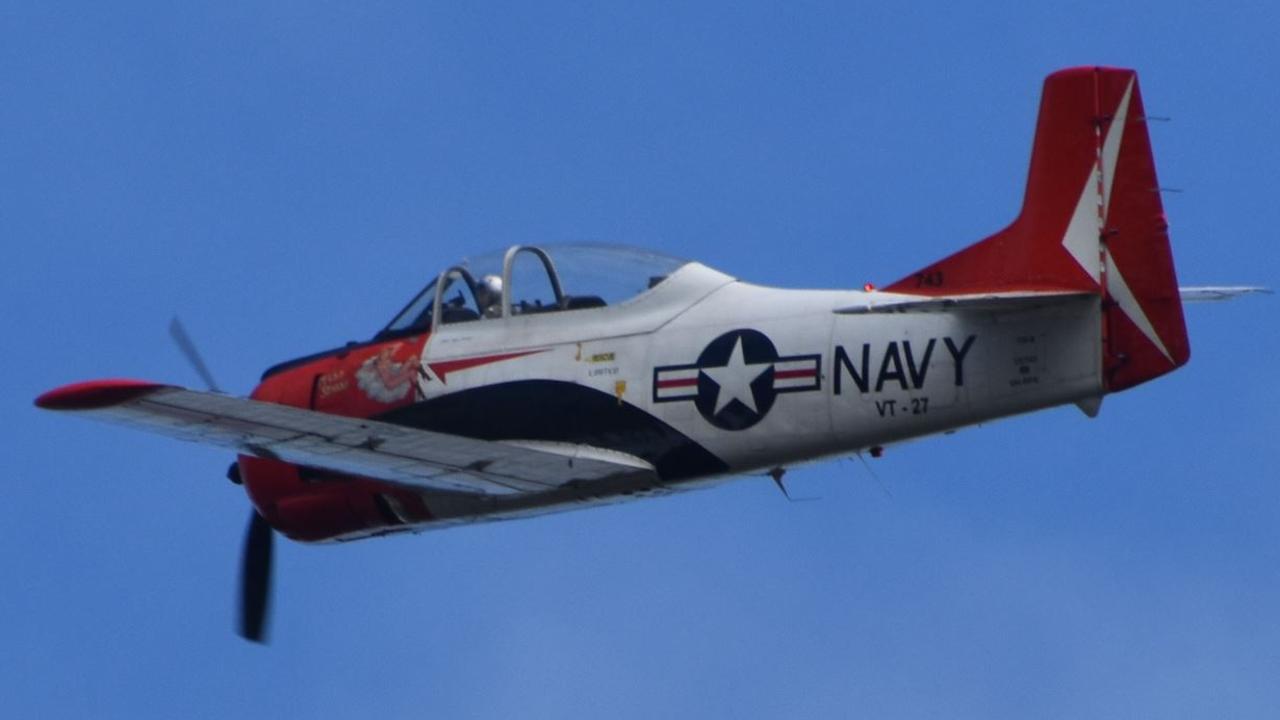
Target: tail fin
x=1091 y=221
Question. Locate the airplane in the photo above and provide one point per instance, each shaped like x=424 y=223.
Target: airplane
x=549 y=378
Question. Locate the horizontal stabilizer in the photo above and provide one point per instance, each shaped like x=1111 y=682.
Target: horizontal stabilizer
x=995 y=302
x=1214 y=293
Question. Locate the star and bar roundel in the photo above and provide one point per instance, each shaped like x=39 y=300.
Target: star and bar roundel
x=737 y=379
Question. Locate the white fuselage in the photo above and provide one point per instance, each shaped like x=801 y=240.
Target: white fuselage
x=763 y=377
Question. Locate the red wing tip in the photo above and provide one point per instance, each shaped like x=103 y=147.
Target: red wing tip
x=95 y=394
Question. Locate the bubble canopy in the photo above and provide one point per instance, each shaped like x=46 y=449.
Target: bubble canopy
x=531 y=279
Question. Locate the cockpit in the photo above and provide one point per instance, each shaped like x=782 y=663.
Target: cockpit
x=529 y=280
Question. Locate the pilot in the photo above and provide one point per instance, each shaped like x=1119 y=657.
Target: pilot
x=489 y=296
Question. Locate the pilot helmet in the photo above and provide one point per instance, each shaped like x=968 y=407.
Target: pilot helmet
x=490 y=290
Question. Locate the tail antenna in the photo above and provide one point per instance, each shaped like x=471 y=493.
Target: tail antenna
x=884 y=488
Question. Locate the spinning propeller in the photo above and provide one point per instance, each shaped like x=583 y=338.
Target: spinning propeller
x=255 y=563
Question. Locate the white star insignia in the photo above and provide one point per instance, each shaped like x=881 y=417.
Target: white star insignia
x=734 y=379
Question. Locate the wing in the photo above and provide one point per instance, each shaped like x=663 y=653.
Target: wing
x=355 y=446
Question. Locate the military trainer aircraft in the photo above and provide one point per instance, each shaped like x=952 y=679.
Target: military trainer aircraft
x=547 y=378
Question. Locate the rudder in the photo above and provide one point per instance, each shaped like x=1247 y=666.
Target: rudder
x=1092 y=221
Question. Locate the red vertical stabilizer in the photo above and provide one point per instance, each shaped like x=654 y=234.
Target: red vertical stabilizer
x=1091 y=221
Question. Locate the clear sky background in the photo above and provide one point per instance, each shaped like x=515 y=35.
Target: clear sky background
x=284 y=175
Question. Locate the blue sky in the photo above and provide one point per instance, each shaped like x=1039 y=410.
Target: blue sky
x=285 y=175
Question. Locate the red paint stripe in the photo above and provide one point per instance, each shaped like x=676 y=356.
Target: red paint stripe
x=443 y=368
x=681 y=382
x=790 y=374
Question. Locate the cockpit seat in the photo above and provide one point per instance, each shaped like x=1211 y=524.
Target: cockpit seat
x=457 y=314
x=583 y=302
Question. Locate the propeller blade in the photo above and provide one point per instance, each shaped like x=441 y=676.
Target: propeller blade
x=255 y=563
x=255 y=579
x=188 y=348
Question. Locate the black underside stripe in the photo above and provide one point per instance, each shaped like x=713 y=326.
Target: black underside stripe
x=562 y=412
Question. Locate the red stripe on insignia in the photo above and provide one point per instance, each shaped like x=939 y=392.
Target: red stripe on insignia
x=789 y=374
x=680 y=382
